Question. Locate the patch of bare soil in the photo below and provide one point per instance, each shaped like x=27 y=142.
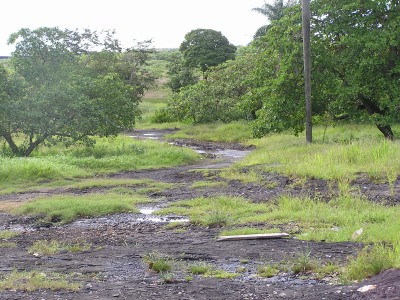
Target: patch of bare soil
x=114 y=267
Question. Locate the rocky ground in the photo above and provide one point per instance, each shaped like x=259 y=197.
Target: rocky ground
x=115 y=266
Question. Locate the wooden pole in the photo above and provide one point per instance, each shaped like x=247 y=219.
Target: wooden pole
x=306 y=13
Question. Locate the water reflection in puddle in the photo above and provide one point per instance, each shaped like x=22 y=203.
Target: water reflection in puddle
x=149 y=217
x=145 y=216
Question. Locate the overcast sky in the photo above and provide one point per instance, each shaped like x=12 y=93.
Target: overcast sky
x=164 y=21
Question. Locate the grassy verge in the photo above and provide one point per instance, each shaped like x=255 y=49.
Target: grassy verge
x=44 y=247
x=59 y=165
x=36 y=280
x=67 y=208
x=339 y=154
x=334 y=221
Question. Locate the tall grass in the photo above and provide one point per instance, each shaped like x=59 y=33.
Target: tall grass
x=107 y=156
x=343 y=153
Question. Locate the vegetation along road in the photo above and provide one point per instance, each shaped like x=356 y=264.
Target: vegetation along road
x=123 y=169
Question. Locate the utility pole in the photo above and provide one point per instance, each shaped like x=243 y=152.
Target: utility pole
x=306 y=13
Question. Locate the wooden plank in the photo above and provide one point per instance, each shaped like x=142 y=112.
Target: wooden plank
x=253 y=236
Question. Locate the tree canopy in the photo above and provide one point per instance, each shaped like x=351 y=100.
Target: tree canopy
x=67 y=86
x=355 y=63
x=273 y=12
x=205 y=48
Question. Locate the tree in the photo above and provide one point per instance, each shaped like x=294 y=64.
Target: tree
x=363 y=53
x=205 y=48
x=273 y=12
x=278 y=77
x=355 y=65
x=180 y=75
x=57 y=94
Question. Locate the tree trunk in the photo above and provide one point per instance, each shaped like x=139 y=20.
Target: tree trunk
x=372 y=108
x=386 y=130
x=10 y=142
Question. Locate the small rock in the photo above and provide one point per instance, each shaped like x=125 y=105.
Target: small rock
x=366 y=288
x=357 y=233
x=89 y=286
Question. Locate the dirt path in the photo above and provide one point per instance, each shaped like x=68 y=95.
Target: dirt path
x=114 y=267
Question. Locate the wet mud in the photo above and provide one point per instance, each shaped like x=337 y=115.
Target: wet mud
x=115 y=266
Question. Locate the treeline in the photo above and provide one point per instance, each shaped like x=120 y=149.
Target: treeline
x=355 y=72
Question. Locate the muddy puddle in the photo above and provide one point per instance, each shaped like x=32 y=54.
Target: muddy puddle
x=213 y=152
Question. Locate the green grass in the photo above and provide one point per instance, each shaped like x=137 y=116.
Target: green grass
x=200 y=268
x=216 y=132
x=221 y=274
x=218 y=211
x=36 y=280
x=333 y=221
x=267 y=271
x=158 y=262
x=109 y=155
x=8 y=245
x=345 y=152
x=44 y=247
x=371 y=261
x=7 y=234
x=67 y=208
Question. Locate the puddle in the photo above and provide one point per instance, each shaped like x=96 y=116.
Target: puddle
x=149 y=217
x=145 y=215
x=18 y=228
x=147 y=210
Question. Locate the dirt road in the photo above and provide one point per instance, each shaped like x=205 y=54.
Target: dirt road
x=115 y=267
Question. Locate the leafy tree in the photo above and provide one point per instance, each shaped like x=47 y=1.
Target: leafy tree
x=205 y=48
x=363 y=46
x=60 y=89
x=355 y=66
x=273 y=12
x=180 y=75
x=219 y=98
x=278 y=77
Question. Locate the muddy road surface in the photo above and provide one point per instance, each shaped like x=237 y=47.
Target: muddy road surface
x=116 y=264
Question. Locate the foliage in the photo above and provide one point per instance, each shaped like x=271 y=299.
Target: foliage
x=158 y=262
x=273 y=12
x=219 y=98
x=179 y=73
x=355 y=71
x=355 y=66
x=267 y=271
x=371 y=261
x=59 y=89
x=200 y=268
x=205 y=48
x=278 y=77
x=361 y=45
